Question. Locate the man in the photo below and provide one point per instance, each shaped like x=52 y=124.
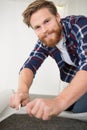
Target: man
x=65 y=40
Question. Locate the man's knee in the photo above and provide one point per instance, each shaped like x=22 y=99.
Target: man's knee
x=81 y=105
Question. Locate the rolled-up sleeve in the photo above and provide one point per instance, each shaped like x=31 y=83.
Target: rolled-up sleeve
x=36 y=58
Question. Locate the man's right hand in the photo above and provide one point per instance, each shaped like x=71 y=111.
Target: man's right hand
x=19 y=98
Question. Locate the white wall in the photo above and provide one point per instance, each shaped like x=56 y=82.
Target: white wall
x=16 y=41
x=77 y=7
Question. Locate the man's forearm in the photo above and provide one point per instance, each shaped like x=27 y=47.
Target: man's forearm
x=21 y=97
x=75 y=90
x=25 y=80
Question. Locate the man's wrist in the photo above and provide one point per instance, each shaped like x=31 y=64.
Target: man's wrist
x=62 y=104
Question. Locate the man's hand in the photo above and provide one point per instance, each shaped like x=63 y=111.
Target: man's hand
x=43 y=108
x=17 y=99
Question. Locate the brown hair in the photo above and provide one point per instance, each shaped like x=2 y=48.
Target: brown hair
x=35 y=6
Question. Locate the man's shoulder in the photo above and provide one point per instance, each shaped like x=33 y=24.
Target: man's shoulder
x=73 y=22
x=73 y=18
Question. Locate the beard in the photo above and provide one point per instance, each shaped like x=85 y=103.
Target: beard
x=52 y=36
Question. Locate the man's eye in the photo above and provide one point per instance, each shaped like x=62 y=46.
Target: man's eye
x=46 y=21
x=37 y=27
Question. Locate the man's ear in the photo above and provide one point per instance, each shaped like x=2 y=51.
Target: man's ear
x=58 y=17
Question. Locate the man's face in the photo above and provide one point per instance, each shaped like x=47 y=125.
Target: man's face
x=47 y=26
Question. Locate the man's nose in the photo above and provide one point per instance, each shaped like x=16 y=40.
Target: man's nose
x=44 y=29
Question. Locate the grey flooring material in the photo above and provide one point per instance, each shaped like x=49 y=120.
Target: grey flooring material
x=24 y=122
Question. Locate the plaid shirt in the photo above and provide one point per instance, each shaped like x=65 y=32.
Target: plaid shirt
x=75 y=33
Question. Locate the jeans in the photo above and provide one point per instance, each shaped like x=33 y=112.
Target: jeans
x=80 y=106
